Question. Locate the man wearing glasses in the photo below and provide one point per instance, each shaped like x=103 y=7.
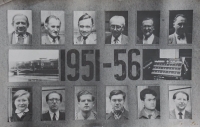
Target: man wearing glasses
x=53 y=99
x=117 y=24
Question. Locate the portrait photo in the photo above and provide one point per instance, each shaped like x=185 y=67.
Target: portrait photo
x=85 y=103
x=33 y=65
x=19 y=104
x=167 y=64
x=19 y=27
x=148 y=102
x=180 y=27
x=53 y=103
x=117 y=103
x=116 y=27
x=148 y=27
x=84 y=28
x=180 y=102
x=52 y=27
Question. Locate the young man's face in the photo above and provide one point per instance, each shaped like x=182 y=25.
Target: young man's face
x=86 y=103
x=150 y=102
x=85 y=27
x=117 y=102
x=54 y=102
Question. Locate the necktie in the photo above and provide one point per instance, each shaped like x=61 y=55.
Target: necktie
x=84 y=40
x=116 y=40
x=54 y=117
x=180 y=115
x=20 y=39
x=149 y=116
x=54 y=40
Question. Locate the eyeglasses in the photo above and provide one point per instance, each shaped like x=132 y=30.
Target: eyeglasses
x=52 y=100
x=115 y=26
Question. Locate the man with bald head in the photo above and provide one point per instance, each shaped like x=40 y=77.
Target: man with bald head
x=117 y=25
x=180 y=35
x=147 y=29
x=20 y=36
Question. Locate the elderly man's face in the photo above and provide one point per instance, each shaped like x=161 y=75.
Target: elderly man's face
x=116 y=27
x=54 y=102
x=117 y=102
x=147 y=28
x=53 y=27
x=180 y=25
x=150 y=102
x=181 y=101
x=20 y=24
x=85 y=27
x=86 y=103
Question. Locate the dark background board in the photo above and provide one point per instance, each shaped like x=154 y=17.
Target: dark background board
x=106 y=55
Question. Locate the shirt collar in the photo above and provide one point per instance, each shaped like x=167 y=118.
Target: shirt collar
x=149 y=39
x=91 y=117
x=118 y=41
x=177 y=113
x=19 y=113
x=143 y=113
x=51 y=40
x=52 y=113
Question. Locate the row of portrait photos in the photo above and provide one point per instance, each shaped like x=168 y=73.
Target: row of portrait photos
x=85 y=103
x=85 y=31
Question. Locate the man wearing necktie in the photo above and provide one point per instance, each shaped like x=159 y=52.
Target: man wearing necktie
x=86 y=27
x=148 y=97
x=117 y=24
x=20 y=36
x=180 y=35
x=54 y=100
x=181 y=99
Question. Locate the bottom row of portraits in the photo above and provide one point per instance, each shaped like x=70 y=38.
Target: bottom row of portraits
x=53 y=103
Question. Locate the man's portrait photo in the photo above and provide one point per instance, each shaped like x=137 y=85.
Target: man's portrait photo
x=53 y=103
x=180 y=102
x=116 y=27
x=20 y=27
x=180 y=27
x=52 y=27
x=148 y=27
x=85 y=103
x=148 y=102
x=116 y=103
x=84 y=28
x=19 y=104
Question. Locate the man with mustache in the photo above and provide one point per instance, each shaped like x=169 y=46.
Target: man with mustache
x=117 y=24
x=20 y=35
x=86 y=25
x=54 y=100
x=52 y=26
x=147 y=29
x=181 y=99
x=148 y=97
x=117 y=100
x=85 y=104
x=180 y=35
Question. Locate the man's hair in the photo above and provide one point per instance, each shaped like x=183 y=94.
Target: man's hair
x=174 y=96
x=117 y=92
x=13 y=19
x=179 y=15
x=85 y=16
x=47 y=96
x=20 y=93
x=84 y=92
x=51 y=17
x=118 y=18
x=147 y=91
x=148 y=18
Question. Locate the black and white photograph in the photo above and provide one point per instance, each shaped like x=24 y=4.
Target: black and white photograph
x=19 y=27
x=148 y=27
x=117 y=103
x=167 y=64
x=33 y=65
x=19 y=104
x=180 y=27
x=85 y=103
x=84 y=28
x=116 y=27
x=52 y=27
x=148 y=102
x=53 y=103
x=180 y=102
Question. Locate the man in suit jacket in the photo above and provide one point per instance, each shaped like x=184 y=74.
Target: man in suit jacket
x=52 y=26
x=117 y=99
x=117 y=24
x=147 y=29
x=54 y=100
x=20 y=35
x=181 y=99
x=180 y=36
x=86 y=25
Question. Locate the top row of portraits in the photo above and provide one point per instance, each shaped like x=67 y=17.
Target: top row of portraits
x=85 y=32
